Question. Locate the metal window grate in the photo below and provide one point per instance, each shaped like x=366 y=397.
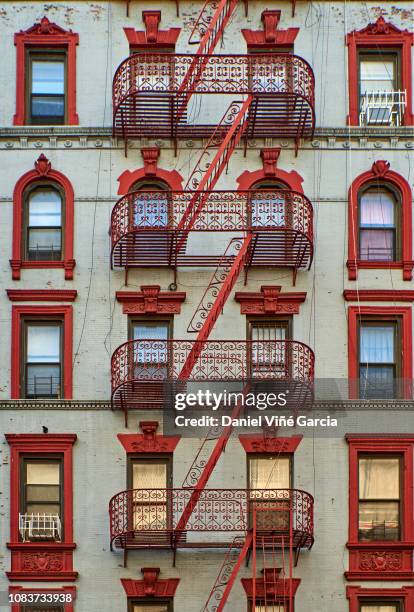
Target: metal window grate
x=382 y=108
x=41 y=526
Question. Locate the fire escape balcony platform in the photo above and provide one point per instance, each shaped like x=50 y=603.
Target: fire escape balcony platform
x=148 y=518
x=150 y=93
x=146 y=373
x=145 y=229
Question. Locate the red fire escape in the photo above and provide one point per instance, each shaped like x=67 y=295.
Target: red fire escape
x=151 y=95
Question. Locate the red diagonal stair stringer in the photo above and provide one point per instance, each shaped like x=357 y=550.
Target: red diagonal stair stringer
x=227 y=574
x=206 y=173
x=210 y=29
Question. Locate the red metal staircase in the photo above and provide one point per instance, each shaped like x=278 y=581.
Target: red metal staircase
x=207 y=31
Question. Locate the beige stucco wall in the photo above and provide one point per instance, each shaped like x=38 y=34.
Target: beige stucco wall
x=93 y=161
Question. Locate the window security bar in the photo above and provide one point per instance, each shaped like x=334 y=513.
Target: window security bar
x=43 y=386
x=40 y=253
x=41 y=526
x=382 y=108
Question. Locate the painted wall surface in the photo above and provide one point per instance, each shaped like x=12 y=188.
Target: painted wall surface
x=93 y=161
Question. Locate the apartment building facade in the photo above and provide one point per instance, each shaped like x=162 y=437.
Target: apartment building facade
x=206 y=197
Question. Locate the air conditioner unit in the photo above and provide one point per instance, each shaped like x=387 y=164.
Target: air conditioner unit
x=382 y=108
x=41 y=526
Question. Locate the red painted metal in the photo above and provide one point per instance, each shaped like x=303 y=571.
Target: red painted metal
x=149 y=518
x=237 y=552
x=144 y=371
x=208 y=29
x=147 y=90
x=220 y=285
x=281 y=222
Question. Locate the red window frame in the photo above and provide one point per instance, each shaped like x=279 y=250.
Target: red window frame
x=380 y=173
x=41 y=561
x=358 y=595
x=379 y=35
x=66 y=590
x=381 y=560
x=150 y=156
x=18 y=312
x=42 y=171
x=269 y=172
x=41 y=36
x=380 y=313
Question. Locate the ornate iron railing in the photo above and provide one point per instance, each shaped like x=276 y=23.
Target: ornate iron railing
x=148 y=93
x=219 y=360
x=231 y=74
x=141 y=518
x=285 y=216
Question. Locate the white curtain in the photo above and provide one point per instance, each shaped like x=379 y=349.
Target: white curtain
x=376 y=344
x=155 y=352
x=377 y=75
x=379 y=608
x=269 y=473
x=45 y=208
x=377 y=208
x=379 y=478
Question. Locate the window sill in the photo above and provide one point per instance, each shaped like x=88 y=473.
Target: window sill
x=380 y=561
x=358 y=264
x=67 y=264
x=42 y=561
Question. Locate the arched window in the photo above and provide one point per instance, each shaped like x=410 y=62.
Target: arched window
x=267 y=207
x=379 y=223
x=43 y=226
x=150 y=203
x=43 y=217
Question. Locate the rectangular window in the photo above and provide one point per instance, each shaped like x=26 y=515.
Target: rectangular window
x=42 y=357
x=379 y=363
x=150 y=478
x=379 y=498
x=151 y=353
x=41 y=500
x=269 y=356
x=269 y=482
x=47 y=78
x=381 y=101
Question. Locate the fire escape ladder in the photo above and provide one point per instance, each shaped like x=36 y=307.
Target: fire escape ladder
x=228 y=573
x=206 y=173
x=207 y=31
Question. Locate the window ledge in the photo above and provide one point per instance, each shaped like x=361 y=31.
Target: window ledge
x=67 y=264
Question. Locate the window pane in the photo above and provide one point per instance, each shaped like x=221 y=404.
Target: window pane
x=151 y=210
x=44 y=244
x=48 y=77
x=269 y=473
x=43 y=473
x=43 y=493
x=268 y=211
x=379 y=478
x=376 y=344
x=377 y=382
x=43 y=381
x=48 y=106
x=43 y=343
x=377 y=75
x=377 y=245
x=379 y=520
x=145 y=331
x=38 y=508
x=149 y=475
x=45 y=208
x=377 y=208
x=268 y=332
